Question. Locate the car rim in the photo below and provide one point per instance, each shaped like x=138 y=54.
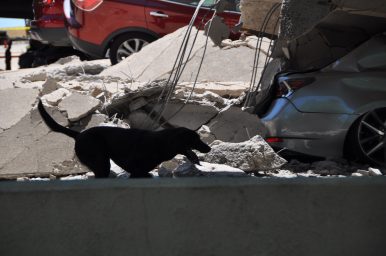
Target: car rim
x=371 y=135
x=129 y=47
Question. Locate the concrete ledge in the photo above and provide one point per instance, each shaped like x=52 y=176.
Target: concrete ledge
x=194 y=216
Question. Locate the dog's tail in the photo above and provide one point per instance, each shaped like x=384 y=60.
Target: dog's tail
x=50 y=122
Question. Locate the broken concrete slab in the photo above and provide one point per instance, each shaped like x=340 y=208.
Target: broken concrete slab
x=33 y=151
x=249 y=156
x=208 y=170
x=49 y=86
x=231 y=65
x=223 y=89
x=121 y=103
x=235 y=125
x=191 y=116
x=254 y=12
x=140 y=119
x=56 y=96
x=90 y=121
x=181 y=167
x=156 y=61
x=15 y=104
x=78 y=106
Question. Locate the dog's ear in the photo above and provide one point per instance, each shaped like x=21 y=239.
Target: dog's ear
x=192 y=156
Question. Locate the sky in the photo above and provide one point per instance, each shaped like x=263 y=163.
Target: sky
x=5 y=22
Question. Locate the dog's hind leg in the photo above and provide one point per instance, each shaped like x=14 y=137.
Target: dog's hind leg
x=98 y=164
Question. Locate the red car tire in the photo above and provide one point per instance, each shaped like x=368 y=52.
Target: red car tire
x=128 y=43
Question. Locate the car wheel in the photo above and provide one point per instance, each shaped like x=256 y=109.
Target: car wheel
x=127 y=44
x=366 y=138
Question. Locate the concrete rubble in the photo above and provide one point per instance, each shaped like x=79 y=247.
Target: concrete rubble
x=250 y=156
x=81 y=95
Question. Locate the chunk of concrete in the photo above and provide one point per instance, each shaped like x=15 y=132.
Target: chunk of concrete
x=180 y=167
x=374 y=172
x=141 y=120
x=56 y=96
x=14 y=105
x=218 y=67
x=252 y=155
x=235 y=125
x=156 y=61
x=206 y=135
x=191 y=116
x=78 y=106
x=33 y=150
x=49 y=86
x=137 y=103
x=219 y=170
x=187 y=169
x=224 y=89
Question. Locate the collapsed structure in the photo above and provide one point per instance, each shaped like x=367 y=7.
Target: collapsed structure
x=86 y=94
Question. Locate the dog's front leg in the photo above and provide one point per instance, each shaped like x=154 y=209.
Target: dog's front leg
x=191 y=156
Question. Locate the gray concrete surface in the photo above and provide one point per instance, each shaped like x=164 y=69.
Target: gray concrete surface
x=30 y=149
x=195 y=216
x=156 y=61
x=15 y=104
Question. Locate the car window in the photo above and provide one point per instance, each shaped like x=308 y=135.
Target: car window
x=374 y=59
x=371 y=55
x=233 y=5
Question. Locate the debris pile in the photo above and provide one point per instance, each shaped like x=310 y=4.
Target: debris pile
x=81 y=95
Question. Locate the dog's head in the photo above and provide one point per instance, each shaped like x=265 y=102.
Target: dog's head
x=189 y=140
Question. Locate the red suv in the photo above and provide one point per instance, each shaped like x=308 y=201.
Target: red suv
x=48 y=23
x=49 y=40
x=121 y=27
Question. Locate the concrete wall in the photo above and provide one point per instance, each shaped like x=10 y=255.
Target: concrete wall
x=193 y=216
x=298 y=16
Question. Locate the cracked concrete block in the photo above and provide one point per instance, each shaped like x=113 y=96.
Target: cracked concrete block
x=181 y=167
x=153 y=60
x=32 y=150
x=191 y=116
x=206 y=135
x=137 y=103
x=90 y=121
x=264 y=43
x=56 y=96
x=235 y=125
x=15 y=104
x=38 y=75
x=231 y=65
x=252 y=155
x=140 y=120
x=253 y=13
x=156 y=61
x=219 y=170
x=78 y=106
x=84 y=68
x=224 y=89
x=49 y=86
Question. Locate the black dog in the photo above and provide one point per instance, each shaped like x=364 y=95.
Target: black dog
x=136 y=151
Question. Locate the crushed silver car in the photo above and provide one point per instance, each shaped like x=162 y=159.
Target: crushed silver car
x=335 y=111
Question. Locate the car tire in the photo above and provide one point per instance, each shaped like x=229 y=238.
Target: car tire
x=365 y=141
x=126 y=44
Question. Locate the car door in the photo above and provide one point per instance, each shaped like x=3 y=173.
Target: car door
x=166 y=16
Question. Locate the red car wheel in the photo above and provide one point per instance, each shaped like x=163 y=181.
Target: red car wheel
x=127 y=44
